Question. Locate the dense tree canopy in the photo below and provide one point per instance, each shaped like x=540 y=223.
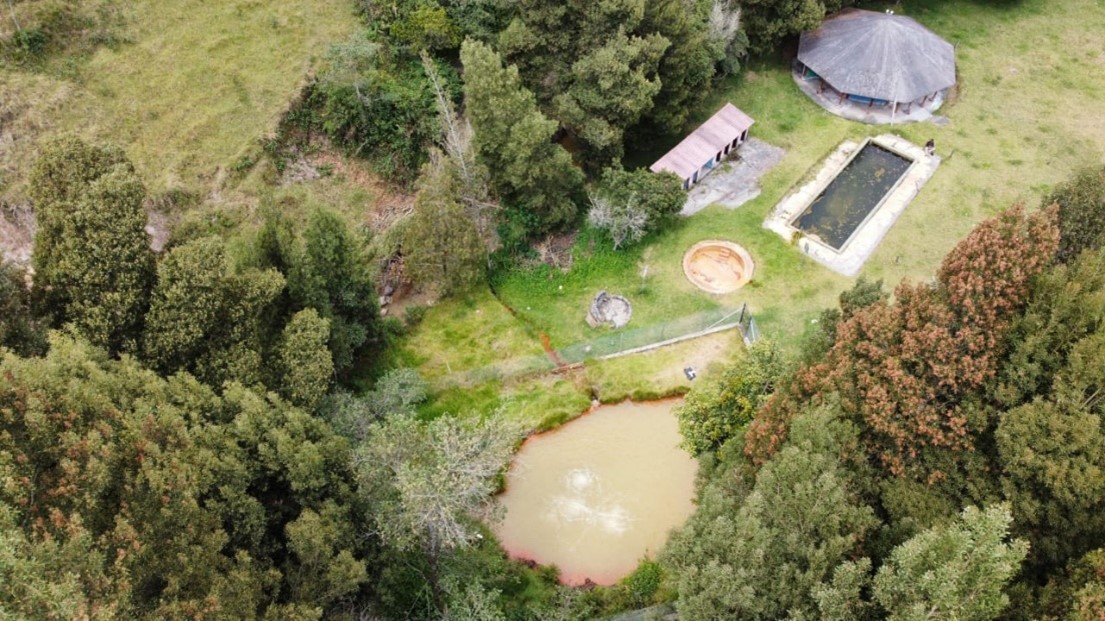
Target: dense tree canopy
x=325 y=268
x=761 y=556
x=769 y=22
x=955 y=572
x=332 y=277
x=92 y=256
x=1050 y=440
x=715 y=412
x=130 y=496
x=910 y=370
x=1081 y=202
x=610 y=88
x=630 y=204
x=982 y=388
x=441 y=244
x=205 y=318
x=20 y=330
x=699 y=43
x=430 y=482
x=306 y=366
x=513 y=139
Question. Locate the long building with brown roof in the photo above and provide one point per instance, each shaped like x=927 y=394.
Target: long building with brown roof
x=706 y=146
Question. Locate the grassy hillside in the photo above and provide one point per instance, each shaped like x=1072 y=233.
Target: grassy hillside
x=193 y=86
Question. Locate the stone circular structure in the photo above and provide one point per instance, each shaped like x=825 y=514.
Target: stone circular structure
x=718 y=266
x=611 y=310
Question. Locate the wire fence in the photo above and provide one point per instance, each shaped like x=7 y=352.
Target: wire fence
x=622 y=342
x=614 y=344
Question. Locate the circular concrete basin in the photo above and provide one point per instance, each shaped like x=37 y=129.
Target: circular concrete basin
x=718 y=266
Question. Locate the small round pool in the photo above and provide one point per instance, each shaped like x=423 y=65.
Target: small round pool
x=718 y=266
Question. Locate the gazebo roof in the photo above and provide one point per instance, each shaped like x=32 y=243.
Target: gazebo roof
x=878 y=55
x=701 y=145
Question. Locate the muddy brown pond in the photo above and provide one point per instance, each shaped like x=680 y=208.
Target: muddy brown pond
x=596 y=495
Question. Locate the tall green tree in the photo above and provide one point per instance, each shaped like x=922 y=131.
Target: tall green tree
x=769 y=22
x=20 y=330
x=92 y=255
x=303 y=357
x=282 y=487
x=1081 y=202
x=514 y=140
x=441 y=244
x=630 y=204
x=456 y=172
x=431 y=482
x=1051 y=439
x=688 y=64
x=762 y=553
x=652 y=59
x=713 y=412
x=610 y=88
x=205 y=318
x=1052 y=457
x=956 y=572
x=545 y=39
x=333 y=277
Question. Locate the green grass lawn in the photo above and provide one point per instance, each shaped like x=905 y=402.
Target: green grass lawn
x=787 y=289
x=197 y=85
x=1032 y=76
x=458 y=336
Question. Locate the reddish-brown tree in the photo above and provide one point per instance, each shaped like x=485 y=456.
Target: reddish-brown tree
x=903 y=370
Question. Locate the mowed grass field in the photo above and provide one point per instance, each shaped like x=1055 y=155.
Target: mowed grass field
x=195 y=86
x=1027 y=114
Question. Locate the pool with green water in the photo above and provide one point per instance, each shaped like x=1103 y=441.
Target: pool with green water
x=842 y=207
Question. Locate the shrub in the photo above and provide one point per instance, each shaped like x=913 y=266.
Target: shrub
x=31 y=42
x=630 y=204
x=715 y=411
x=1081 y=202
x=375 y=106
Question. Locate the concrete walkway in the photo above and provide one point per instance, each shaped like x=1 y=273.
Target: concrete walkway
x=830 y=100
x=736 y=180
x=850 y=259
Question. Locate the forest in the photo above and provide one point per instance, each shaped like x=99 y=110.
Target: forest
x=233 y=420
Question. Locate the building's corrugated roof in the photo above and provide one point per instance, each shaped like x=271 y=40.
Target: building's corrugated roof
x=704 y=142
x=878 y=55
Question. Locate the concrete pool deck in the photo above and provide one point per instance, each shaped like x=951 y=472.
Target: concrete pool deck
x=851 y=257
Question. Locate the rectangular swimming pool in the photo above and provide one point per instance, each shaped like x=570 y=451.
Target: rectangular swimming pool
x=850 y=197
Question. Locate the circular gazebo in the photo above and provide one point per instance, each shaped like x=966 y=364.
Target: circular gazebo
x=875 y=60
